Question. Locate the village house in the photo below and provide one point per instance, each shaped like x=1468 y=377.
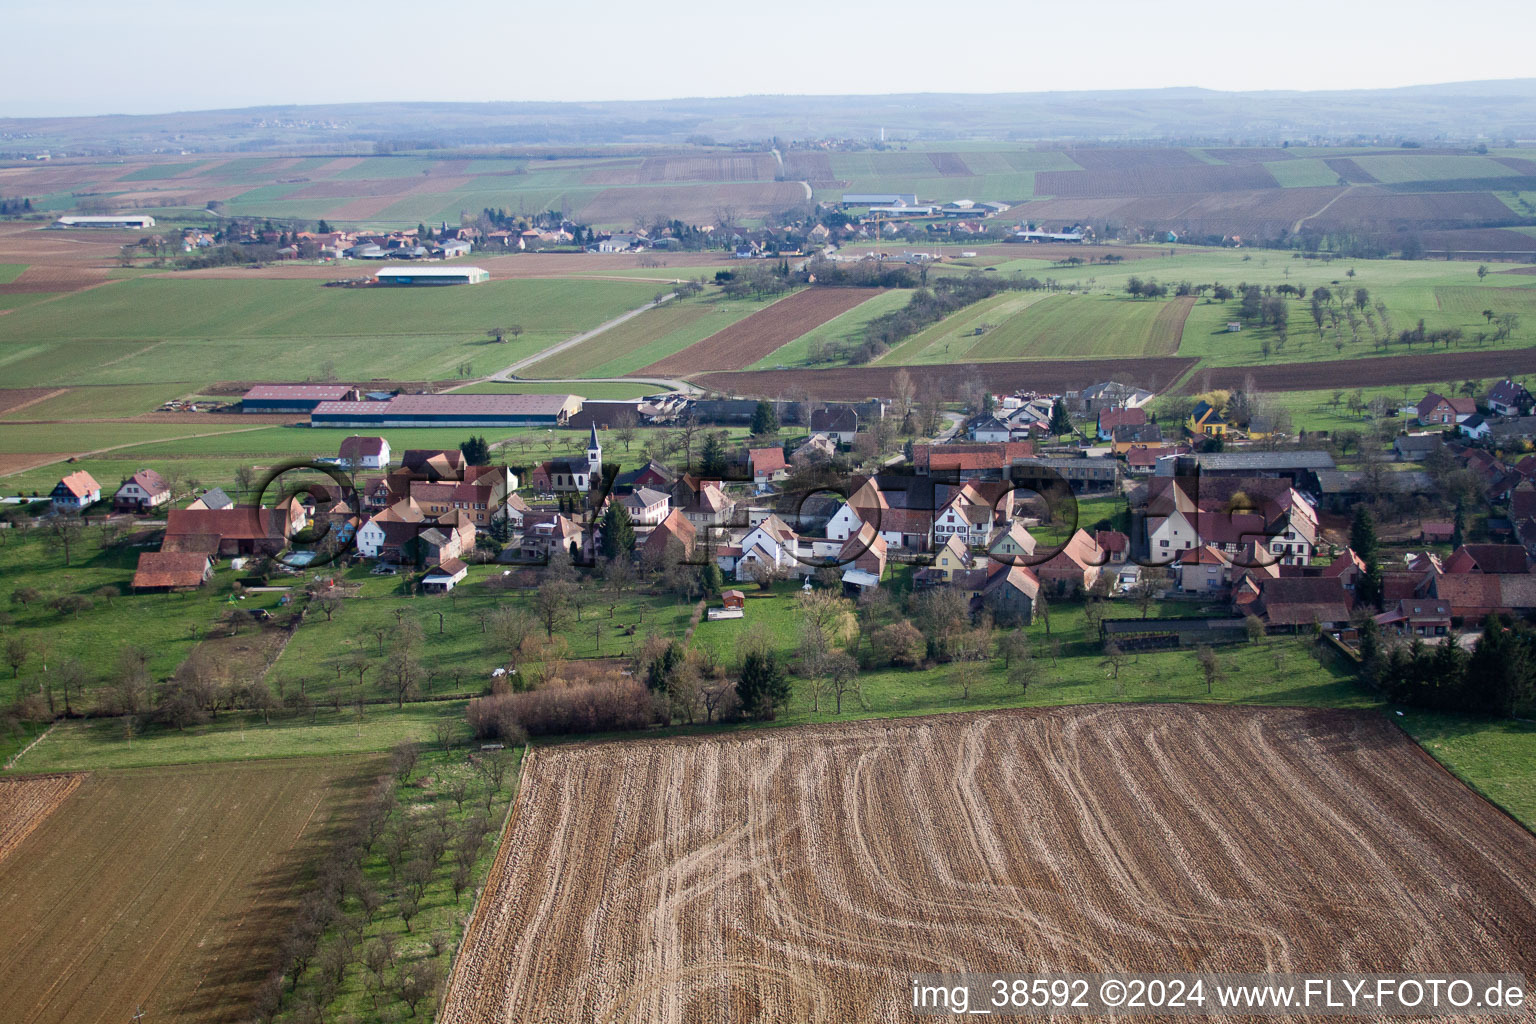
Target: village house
x=141 y=492
x=1110 y=419
x=863 y=560
x=645 y=506
x=675 y=532
x=213 y=498
x=359 y=452
x=1436 y=410
x=77 y=491
x=767 y=465
x=1075 y=568
x=1202 y=570
x=951 y=557
x=1011 y=593
x=1416 y=617
x=989 y=430
x=545 y=532
x=1206 y=420
x=1509 y=399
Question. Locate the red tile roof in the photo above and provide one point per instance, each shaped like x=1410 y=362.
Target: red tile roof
x=80 y=483
x=170 y=569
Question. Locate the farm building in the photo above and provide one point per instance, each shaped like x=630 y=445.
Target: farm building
x=445 y=576
x=430 y=276
x=364 y=452
x=879 y=198
x=132 y=220
x=171 y=570
x=450 y=411
x=294 y=397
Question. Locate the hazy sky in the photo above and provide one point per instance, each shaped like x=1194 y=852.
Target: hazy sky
x=93 y=56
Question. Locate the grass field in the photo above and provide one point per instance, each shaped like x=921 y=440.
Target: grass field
x=98 y=401
x=954 y=336
x=647 y=338
x=1496 y=757
x=183 y=927
x=198 y=330
x=1074 y=326
x=595 y=391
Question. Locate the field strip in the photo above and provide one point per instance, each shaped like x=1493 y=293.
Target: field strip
x=755 y=337
x=571 y=342
x=1168 y=328
x=135 y=444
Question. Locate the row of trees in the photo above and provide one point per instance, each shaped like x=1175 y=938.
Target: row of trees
x=931 y=304
x=1497 y=677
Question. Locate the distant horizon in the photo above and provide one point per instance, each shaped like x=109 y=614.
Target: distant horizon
x=774 y=95
x=176 y=56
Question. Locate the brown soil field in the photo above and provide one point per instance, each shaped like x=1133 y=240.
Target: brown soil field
x=855 y=383
x=805 y=875
x=48 y=278
x=748 y=340
x=1253 y=154
x=1375 y=209
x=1260 y=212
x=16 y=399
x=1141 y=180
x=745 y=167
x=165 y=888
x=1115 y=159
x=1517 y=163
x=950 y=165
x=694 y=204
x=1491 y=241
x=1364 y=373
x=1168 y=328
x=1350 y=171
x=808 y=165
x=11 y=462
x=26 y=802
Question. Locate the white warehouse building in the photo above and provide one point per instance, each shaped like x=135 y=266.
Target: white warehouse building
x=428 y=276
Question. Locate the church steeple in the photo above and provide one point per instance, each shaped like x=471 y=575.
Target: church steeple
x=595 y=456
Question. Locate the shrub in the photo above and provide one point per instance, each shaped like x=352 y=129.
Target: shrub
x=614 y=705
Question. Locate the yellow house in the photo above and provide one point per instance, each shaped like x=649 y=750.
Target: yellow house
x=1207 y=421
x=952 y=557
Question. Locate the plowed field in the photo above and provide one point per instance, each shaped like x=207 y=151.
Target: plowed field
x=165 y=888
x=805 y=875
x=24 y=803
x=1363 y=373
x=746 y=341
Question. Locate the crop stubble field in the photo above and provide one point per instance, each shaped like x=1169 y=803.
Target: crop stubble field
x=161 y=887
x=805 y=876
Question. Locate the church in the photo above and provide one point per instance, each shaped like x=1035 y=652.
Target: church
x=573 y=474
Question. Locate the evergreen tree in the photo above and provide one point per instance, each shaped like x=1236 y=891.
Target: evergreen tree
x=1459 y=526
x=764 y=419
x=323 y=228
x=713 y=455
x=476 y=451
x=712 y=579
x=658 y=674
x=764 y=688
x=618 y=531
x=1060 y=423
x=1362 y=534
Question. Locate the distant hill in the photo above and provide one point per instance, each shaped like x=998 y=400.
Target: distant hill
x=1498 y=112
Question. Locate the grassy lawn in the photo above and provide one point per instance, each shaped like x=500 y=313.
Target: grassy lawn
x=1496 y=757
x=459 y=659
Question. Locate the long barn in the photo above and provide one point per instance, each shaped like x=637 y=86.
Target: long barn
x=450 y=411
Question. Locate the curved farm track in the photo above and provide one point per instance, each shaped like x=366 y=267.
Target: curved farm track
x=806 y=874
x=855 y=383
x=1419 y=368
x=754 y=337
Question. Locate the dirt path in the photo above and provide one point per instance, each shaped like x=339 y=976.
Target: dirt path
x=1296 y=227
